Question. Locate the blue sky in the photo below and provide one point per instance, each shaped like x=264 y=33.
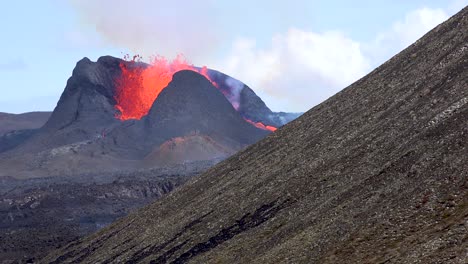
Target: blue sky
x=294 y=54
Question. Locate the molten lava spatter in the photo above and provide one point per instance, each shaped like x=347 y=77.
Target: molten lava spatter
x=139 y=86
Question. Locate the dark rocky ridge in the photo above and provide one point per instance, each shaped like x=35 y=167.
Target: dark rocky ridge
x=83 y=133
x=189 y=104
x=375 y=174
x=215 y=117
x=251 y=106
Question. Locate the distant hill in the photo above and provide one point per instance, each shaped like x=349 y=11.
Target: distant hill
x=375 y=174
x=31 y=120
x=17 y=128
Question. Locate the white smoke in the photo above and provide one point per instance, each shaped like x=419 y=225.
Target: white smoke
x=404 y=32
x=303 y=68
x=236 y=88
x=153 y=27
x=300 y=69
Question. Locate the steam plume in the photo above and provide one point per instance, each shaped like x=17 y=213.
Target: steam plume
x=153 y=26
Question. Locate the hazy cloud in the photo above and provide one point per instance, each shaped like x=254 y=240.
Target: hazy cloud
x=404 y=32
x=151 y=27
x=300 y=68
x=78 y=39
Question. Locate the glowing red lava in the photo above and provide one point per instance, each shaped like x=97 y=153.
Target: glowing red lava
x=261 y=125
x=138 y=87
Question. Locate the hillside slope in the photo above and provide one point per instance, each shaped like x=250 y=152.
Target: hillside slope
x=376 y=174
x=30 y=120
x=17 y=128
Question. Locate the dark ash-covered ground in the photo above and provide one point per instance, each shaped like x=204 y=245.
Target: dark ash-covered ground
x=39 y=215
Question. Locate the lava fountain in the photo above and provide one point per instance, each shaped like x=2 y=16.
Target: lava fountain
x=139 y=85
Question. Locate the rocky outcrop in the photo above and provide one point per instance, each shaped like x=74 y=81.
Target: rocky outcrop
x=248 y=103
x=83 y=134
x=38 y=215
x=191 y=103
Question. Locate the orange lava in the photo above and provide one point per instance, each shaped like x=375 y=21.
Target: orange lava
x=261 y=125
x=138 y=87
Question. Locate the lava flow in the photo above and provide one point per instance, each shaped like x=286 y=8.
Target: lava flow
x=261 y=125
x=139 y=86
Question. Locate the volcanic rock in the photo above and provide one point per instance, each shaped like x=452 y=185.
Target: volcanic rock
x=85 y=108
x=83 y=134
x=375 y=174
x=249 y=104
x=37 y=215
x=191 y=103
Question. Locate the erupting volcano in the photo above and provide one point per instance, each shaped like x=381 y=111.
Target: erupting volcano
x=182 y=120
x=138 y=86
